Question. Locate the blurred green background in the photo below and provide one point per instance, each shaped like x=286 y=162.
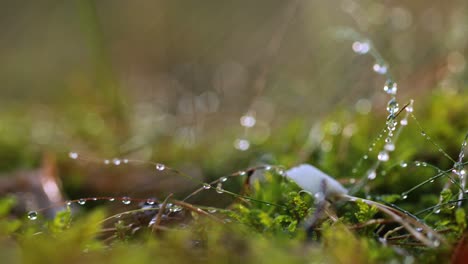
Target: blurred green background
x=169 y=81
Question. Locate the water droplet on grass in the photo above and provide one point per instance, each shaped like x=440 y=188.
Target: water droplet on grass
x=404 y=122
x=32 y=215
x=404 y=196
x=116 y=162
x=160 y=167
x=380 y=69
x=126 y=200
x=403 y=164
x=223 y=179
x=111 y=199
x=372 y=175
x=390 y=87
x=219 y=188
x=392 y=106
x=106 y=162
x=81 y=202
x=389 y=147
x=383 y=156
x=206 y=186
x=73 y=155
x=150 y=201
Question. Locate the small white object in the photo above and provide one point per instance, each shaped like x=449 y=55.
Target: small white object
x=315 y=181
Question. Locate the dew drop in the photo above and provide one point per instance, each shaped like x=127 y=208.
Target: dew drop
x=431 y=181
x=383 y=156
x=417 y=163
x=436 y=243
x=267 y=168
x=125 y=161
x=365 y=157
x=248 y=120
x=389 y=147
x=390 y=87
x=388 y=140
x=111 y=199
x=242 y=144
x=372 y=175
x=212 y=210
x=160 y=167
x=423 y=133
x=106 y=162
x=116 y=162
x=223 y=179
x=404 y=196
x=380 y=69
x=73 y=155
x=81 y=201
x=126 y=200
x=32 y=215
x=409 y=108
x=150 y=201
x=404 y=122
x=361 y=47
x=242 y=173
x=403 y=164
x=419 y=229
x=437 y=211
x=392 y=106
x=68 y=203
x=206 y=186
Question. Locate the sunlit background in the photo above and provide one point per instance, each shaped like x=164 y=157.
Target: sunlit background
x=206 y=86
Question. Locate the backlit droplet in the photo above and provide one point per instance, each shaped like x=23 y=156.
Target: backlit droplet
x=267 y=168
x=392 y=106
x=73 y=155
x=125 y=161
x=404 y=196
x=371 y=175
x=206 y=186
x=212 y=210
x=409 y=108
x=380 y=69
x=223 y=179
x=437 y=211
x=126 y=200
x=389 y=147
x=242 y=144
x=116 y=162
x=150 y=201
x=32 y=215
x=390 y=87
x=404 y=122
x=111 y=199
x=81 y=201
x=419 y=229
x=417 y=163
x=383 y=156
x=160 y=167
x=431 y=181
x=242 y=173
x=365 y=157
x=403 y=164
x=106 y=162
x=248 y=120
x=361 y=47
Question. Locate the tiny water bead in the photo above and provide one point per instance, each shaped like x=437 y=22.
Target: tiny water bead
x=81 y=201
x=223 y=179
x=160 y=167
x=106 y=162
x=383 y=156
x=372 y=175
x=361 y=47
x=403 y=164
x=32 y=215
x=206 y=186
x=390 y=87
x=68 y=203
x=126 y=200
x=392 y=106
x=242 y=173
x=248 y=120
x=404 y=122
x=73 y=155
x=380 y=69
x=409 y=108
x=242 y=144
x=116 y=162
x=404 y=196
x=111 y=199
x=389 y=147
x=150 y=201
